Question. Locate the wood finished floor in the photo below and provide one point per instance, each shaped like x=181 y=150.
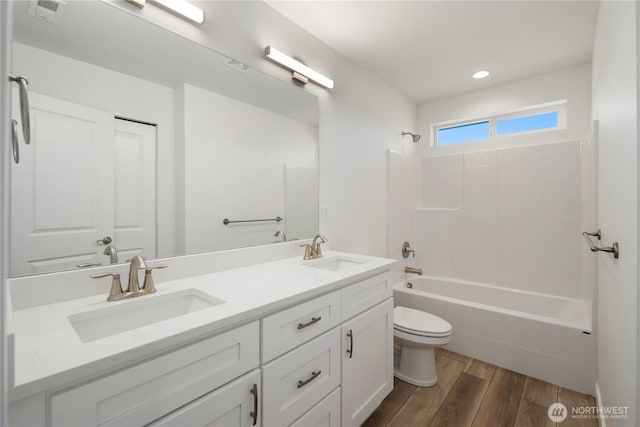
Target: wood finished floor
x=474 y=393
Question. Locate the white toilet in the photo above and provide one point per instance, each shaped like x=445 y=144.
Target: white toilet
x=418 y=334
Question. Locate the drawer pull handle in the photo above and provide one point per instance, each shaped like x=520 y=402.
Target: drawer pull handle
x=309 y=323
x=314 y=375
x=350 y=351
x=254 y=413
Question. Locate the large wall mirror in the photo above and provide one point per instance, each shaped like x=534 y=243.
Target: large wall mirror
x=144 y=142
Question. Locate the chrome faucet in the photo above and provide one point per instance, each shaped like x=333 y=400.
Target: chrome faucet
x=417 y=271
x=112 y=252
x=137 y=263
x=314 y=251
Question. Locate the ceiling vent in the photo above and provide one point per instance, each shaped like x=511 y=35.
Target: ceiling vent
x=236 y=65
x=49 y=10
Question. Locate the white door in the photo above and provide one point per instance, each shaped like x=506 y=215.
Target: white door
x=367 y=362
x=615 y=106
x=61 y=196
x=135 y=189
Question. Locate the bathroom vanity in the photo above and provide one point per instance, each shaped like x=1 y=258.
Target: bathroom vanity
x=284 y=342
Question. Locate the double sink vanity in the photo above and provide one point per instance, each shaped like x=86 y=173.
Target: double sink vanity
x=276 y=341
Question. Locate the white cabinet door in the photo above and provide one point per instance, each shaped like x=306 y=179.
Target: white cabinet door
x=367 y=362
x=234 y=405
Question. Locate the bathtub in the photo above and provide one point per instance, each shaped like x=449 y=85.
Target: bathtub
x=543 y=336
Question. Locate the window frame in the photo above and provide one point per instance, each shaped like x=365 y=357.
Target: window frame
x=559 y=107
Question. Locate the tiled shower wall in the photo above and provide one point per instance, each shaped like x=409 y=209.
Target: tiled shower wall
x=510 y=217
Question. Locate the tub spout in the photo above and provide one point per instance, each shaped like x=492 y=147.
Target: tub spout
x=417 y=271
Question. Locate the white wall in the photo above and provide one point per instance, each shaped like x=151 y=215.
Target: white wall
x=615 y=106
x=6 y=28
x=234 y=167
x=86 y=84
x=359 y=119
x=572 y=84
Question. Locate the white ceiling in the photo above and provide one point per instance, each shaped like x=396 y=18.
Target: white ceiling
x=429 y=49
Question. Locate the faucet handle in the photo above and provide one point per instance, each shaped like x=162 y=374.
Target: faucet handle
x=148 y=287
x=406 y=250
x=308 y=252
x=116 y=293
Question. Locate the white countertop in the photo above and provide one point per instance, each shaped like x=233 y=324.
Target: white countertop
x=49 y=353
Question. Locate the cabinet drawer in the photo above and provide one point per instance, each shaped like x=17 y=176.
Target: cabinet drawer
x=365 y=294
x=289 y=328
x=324 y=414
x=298 y=380
x=149 y=390
x=230 y=406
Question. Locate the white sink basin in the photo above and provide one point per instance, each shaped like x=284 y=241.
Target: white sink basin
x=335 y=263
x=136 y=313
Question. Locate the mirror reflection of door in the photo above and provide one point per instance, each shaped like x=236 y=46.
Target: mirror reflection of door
x=66 y=189
x=135 y=189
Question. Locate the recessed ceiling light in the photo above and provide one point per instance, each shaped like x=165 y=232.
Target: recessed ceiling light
x=481 y=74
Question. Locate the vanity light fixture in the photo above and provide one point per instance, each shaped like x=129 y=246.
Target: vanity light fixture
x=180 y=7
x=300 y=71
x=481 y=74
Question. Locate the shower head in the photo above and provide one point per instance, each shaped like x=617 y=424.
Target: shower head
x=415 y=137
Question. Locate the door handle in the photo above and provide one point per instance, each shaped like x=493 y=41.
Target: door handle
x=314 y=375
x=613 y=249
x=309 y=323
x=105 y=240
x=254 y=413
x=350 y=351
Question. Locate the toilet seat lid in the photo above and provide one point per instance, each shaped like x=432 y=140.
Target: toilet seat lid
x=419 y=322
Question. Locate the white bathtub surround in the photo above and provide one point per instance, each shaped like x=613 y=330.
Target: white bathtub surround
x=538 y=335
x=50 y=354
x=508 y=217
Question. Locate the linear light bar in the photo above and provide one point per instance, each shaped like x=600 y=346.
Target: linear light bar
x=296 y=66
x=183 y=8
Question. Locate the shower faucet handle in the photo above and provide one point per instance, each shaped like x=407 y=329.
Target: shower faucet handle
x=406 y=249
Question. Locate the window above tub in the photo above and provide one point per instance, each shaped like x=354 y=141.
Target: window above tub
x=533 y=119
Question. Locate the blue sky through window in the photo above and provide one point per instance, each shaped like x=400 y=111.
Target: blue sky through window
x=465 y=133
x=528 y=123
